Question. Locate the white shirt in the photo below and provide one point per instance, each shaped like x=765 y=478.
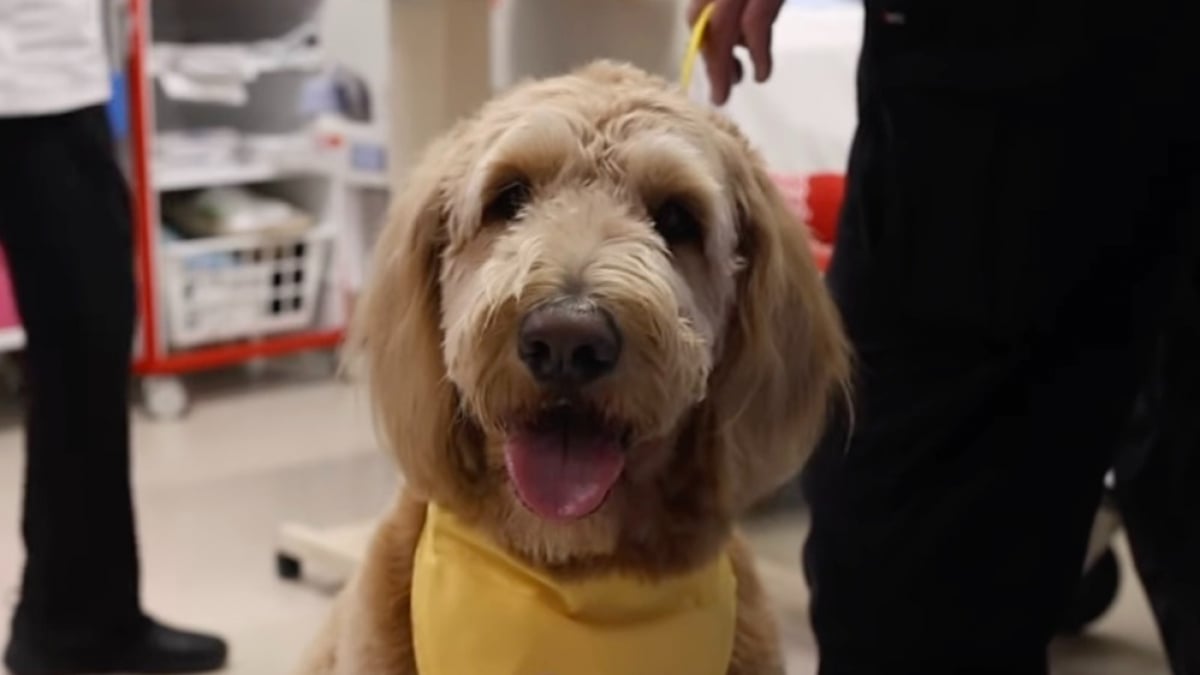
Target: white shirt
x=52 y=56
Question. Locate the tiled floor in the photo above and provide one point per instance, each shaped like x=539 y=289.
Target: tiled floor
x=213 y=488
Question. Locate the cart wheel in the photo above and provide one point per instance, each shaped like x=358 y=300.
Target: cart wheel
x=1096 y=593
x=165 y=398
x=287 y=567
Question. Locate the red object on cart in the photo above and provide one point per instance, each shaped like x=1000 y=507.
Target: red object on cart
x=816 y=201
x=825 y=194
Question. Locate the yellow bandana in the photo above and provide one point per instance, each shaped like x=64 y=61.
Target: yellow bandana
x=479 y=611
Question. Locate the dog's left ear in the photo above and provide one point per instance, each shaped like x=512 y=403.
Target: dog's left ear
x=786 y=358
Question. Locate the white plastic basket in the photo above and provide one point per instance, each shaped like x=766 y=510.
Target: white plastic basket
x=228 y=288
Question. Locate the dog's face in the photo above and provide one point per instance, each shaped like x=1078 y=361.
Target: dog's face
x=593 y=326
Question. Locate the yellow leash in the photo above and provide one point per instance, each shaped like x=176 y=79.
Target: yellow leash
x=693 y=49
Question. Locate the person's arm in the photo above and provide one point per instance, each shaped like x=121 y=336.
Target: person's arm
x=747 y=23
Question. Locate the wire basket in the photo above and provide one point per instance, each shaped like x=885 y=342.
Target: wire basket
x=229 y=288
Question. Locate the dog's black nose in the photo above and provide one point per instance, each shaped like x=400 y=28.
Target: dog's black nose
x=569 y=342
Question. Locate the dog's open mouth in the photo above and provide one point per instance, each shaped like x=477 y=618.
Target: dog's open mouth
x=565 y=461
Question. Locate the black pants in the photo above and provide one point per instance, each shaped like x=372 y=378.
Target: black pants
x=1015 y=236
x=1158 y=476
x=65 y=225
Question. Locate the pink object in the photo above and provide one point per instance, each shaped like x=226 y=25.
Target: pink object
x=9 y=317
x=794 y=188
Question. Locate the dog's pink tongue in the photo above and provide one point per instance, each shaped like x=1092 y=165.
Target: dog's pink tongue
x=563 y=476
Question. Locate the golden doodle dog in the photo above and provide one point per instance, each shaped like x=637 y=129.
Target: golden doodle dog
x=594 y=336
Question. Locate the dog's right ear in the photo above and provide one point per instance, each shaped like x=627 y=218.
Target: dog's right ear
x=397 y=331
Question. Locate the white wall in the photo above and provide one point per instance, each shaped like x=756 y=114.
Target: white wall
x=529 y=37
x=355 y=33
x=536 y=38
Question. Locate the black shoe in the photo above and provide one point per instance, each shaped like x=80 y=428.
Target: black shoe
x=155 y=649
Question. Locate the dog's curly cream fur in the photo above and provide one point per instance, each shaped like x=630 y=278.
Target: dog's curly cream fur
x=732 y=349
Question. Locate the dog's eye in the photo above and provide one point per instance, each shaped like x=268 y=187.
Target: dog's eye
x=676 y=224
x=506 y=205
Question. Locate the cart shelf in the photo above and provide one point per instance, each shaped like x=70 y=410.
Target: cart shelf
x=234 y=71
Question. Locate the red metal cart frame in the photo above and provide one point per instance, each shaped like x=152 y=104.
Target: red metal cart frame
x=154 y=358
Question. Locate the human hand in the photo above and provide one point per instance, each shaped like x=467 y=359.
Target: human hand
x=734 y=23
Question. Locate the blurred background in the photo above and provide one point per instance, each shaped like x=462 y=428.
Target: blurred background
x=261 y=140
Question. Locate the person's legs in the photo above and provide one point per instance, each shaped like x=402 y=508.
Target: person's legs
x=65 y=222
x=1158 y=483
x=998 y=270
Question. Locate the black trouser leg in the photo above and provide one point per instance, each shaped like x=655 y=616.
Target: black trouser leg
x=65 y=223
x=1158 y=485
x=1159 y=507
x=1002 y=283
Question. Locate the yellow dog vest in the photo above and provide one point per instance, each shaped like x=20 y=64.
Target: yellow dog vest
x=477 y=610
